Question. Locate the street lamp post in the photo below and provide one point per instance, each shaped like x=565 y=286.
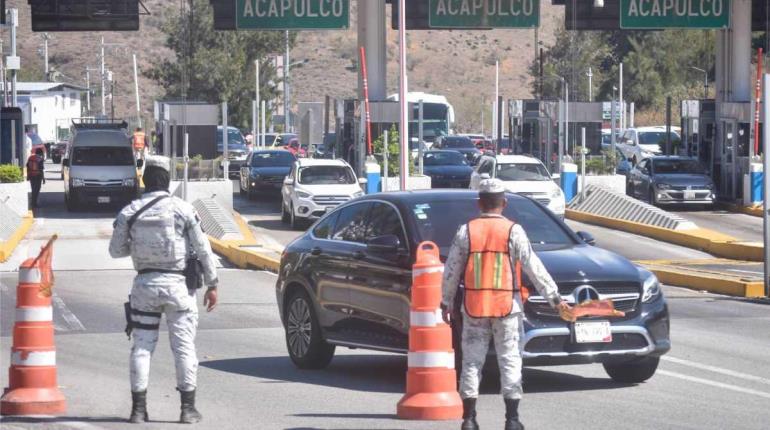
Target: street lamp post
x=705 y=81
x=590 y=85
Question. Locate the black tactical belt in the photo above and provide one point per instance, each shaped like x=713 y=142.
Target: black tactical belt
x=173 y=272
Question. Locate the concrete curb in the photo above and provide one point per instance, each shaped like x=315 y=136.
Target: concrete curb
x=670 y=274
x=7 y=247
x=702 y=239
x=748 y=210
x=233 y=252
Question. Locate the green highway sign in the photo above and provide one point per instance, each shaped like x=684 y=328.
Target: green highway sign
x=292 y=14
x=659 y=14
x=484 y=13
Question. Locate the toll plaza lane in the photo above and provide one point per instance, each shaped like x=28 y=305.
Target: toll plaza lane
x=741 y=226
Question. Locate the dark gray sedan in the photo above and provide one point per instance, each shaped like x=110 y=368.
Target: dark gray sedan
x=671 y=180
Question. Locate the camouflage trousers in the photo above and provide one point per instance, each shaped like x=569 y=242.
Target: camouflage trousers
x=153 y=295
x=477 y=333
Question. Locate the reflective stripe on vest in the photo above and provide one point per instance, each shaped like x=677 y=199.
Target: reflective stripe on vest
x=139 y=140
x=489 y=278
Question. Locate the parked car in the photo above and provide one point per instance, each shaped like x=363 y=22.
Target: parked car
x=347 y=282
x=236 y=150
x=58 y=150
x=671 y=180
x=643 y=142
x=37 y=143
x=523 y=175
x=447 y=169
x=265 y=171
x=461 y=144
x=99 y=166
x=315 y=186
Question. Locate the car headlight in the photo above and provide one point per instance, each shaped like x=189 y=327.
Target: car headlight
x=650 y=288
x=662 y=186
x=77 y=182
x=556 y=193
x=302 y=194
x=358 y=194
x=129 y=182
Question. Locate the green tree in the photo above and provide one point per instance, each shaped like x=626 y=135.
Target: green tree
x=216 y=66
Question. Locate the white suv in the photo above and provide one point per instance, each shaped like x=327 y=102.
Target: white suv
x=644 y=142
x=315 y=186
x=522 y=175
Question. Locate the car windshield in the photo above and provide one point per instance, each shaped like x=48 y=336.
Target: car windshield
x=458 y=142
x=522 y=172
x=326 y=175
x=272 y=159
x=678 y=167
x=444 y=159
x=36 y=140
x=655 y=137
x=234 y=140
x=438 y=221
x=269 y=139
x=102 y=156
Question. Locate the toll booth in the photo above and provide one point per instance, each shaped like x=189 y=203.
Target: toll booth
x=352 y=144
x=12 y=136
x=699 y=130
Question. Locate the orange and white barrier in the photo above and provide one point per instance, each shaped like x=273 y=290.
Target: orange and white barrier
x=32 y=389
x=431 y=387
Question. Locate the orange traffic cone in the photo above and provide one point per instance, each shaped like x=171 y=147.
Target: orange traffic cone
x=32 y=376
x=431 y=388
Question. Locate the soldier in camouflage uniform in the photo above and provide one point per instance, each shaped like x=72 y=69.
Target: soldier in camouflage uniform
x=159 y=241
x=505 y=328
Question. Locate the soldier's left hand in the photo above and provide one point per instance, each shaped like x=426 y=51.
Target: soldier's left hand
x=210 y=299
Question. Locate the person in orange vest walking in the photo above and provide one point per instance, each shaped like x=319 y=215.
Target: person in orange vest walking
x=140 y=143
x=487 y=256
x=36 y=173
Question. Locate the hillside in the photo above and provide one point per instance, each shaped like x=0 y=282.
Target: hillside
x=458 y=64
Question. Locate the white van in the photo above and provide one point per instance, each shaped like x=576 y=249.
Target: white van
x=99 y=166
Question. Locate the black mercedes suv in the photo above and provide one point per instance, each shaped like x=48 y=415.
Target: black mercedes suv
x=346 y=282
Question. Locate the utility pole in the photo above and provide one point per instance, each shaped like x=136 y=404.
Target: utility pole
x=14 y=18
x=622 y=102
x=766 y=183
x=88 y=85
x=136 y=91
x=45 y=52
x=590 y=85
x=286 y=96
x=404 y=114
x=104 y=106
x=255 y=133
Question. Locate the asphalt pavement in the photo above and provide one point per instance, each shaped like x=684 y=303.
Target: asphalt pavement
x=714 y=377
x=741 y=226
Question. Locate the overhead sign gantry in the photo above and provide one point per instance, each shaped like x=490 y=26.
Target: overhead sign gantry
x=469 y=14
x=660 y=14
x=292 y=15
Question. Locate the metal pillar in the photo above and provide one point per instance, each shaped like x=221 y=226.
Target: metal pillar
x=286 y=92
x=372 y=37
x=14 y=18
x=104 y=102
x=420 y=136
x=225 y=146
x=136 y=92
x=766 y=196
x=254 y=133
x=740 y=50
x=402 y=87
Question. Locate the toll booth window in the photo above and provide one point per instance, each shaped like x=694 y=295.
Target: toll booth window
x=102 y=156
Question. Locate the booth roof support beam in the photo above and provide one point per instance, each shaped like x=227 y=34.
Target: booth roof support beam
x=372 y=36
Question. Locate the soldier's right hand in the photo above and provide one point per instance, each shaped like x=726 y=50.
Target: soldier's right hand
x=446 y=314
x=210 y=299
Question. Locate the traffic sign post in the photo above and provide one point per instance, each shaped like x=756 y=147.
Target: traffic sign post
x=471 y=14
x=292 y=15
x=659 y=14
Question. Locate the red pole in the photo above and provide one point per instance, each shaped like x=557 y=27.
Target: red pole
x=366 y=103
x=758 y=103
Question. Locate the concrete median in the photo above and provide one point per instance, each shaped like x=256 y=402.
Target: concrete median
x=729 y=277
x=19 y=229
x=246 y=253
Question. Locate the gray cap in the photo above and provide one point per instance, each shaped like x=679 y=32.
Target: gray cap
x=158 y=161
x=491 y=186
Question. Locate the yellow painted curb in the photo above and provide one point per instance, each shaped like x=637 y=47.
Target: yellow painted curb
x=233 y=252
x=702 y=239
x=705 y=281
x=7 y=247
x=748 y=210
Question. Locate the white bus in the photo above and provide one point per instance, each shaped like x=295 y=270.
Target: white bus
x=438 y=116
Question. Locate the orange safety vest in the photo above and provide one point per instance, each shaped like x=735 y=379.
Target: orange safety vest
x=489 y=280
x=139 y=137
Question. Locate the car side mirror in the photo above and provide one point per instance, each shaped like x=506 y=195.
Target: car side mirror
x=65 y=162
x=386 y=244
x=587 y=237
x=288 y=181
x=139 y=163
x=362 y=181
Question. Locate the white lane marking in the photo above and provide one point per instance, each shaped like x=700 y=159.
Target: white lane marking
x=716 y=384
x=72 y=321
x=753 y=272
x=265 y=272
x=715 y=369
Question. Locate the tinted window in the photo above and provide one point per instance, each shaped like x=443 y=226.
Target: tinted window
x=325 y=228
x=351 y=223
x=234 y=138
x=272 y=159
x=96 y=138
x=384 y=220
x=269 y=139
x=438 y=221
x=444 y=159
x=678 y=166
x=486 y=167
x=329 y=175
x=102 y=156
x=457 y=142
x=522 y=172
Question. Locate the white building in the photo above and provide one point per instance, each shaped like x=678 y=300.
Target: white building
x=48 y=105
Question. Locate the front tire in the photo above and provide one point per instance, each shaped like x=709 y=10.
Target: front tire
x=293 y=220
x=284 y=215
x=304 y=341
x=633 y=372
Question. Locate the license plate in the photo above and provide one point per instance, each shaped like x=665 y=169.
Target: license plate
x=593 y=332
x=102 y=199
x=689 y=195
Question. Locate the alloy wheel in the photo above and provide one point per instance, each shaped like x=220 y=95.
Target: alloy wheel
x=299 y=327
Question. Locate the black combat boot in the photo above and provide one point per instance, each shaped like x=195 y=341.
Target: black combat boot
x=512 y=415
x=138 y=407
x=189 y=415
x=469 y=415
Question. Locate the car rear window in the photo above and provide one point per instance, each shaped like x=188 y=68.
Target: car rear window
x=458 y=142
x=326 y=175
x=99 y=138
x=272 y=159
x=102 y=156
x=444 y=159
x=438 y=221
x=522 y=172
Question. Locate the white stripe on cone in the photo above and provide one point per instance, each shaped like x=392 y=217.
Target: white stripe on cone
x=33 y=358
x=424 y=270
x=425 y=319
x=431 y=359
x=39 y=313
x=29 y=275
